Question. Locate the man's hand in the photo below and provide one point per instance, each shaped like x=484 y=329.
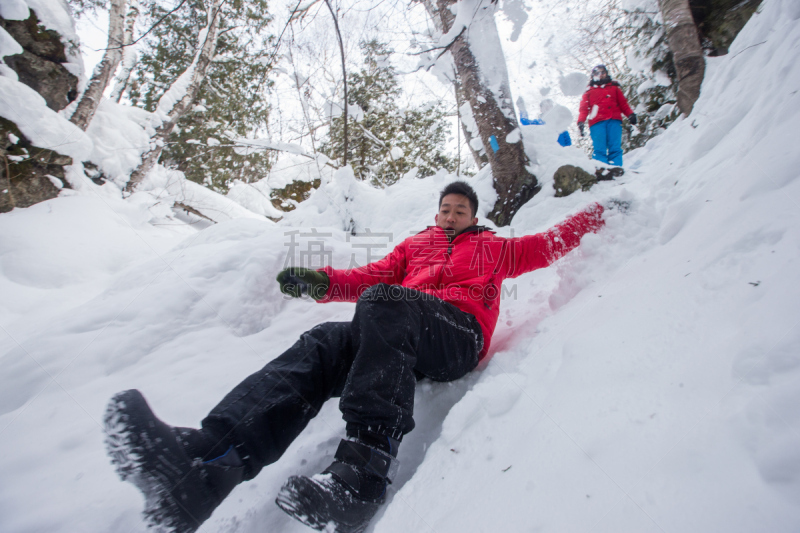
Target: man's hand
x=297 y=281
x=632 y=119
x=581 y=126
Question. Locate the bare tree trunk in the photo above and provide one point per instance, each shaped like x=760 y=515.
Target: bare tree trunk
x=493 y=111
x=687 y=54
x=480 y=160
x=174 y=103
x=90 y=100
x=129 y=55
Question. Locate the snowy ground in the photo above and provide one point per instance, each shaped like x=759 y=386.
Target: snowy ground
x=649 y=381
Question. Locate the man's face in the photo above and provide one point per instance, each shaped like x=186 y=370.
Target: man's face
x=455 y=214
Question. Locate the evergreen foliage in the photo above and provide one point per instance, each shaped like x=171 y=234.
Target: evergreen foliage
x=231 y=101
x=374 y=140
x=80 y=8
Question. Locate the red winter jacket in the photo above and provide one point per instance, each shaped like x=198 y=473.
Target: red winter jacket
x=610 y=102
x=467 y=272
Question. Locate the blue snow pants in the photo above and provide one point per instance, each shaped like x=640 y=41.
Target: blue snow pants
x=607 y=141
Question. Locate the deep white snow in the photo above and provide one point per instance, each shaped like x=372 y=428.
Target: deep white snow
x=647 y=382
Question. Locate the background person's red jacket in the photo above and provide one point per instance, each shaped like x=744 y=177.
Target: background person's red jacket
x=467 y=272
x=610 y=102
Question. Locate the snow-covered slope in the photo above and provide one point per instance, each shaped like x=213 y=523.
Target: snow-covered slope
x=649 y=381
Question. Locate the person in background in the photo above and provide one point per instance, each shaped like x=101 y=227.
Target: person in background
x=603 y=104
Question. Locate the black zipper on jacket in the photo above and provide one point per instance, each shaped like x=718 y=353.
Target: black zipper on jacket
x=451 y=244
x=444 y=266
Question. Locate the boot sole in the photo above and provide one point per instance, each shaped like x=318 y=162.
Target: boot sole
x=128 y=448
x=305 y=500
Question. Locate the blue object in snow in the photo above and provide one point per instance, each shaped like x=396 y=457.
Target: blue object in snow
x=564 y=139
x=525 y=121
x=493 y=142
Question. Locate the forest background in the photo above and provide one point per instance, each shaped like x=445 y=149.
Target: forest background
x=281 y=79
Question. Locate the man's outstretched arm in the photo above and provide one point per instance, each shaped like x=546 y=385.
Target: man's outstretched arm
x=335 y=285
x=347 y=285
x=532 y=252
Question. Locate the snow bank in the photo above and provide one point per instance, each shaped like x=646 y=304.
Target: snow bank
x=172 y=186
x=8 y=46
x=255 y=197
x=57 y=254
x=646 y=382
x=659 y=396
x=14 y=10
x=121 y=134
x=41 y=125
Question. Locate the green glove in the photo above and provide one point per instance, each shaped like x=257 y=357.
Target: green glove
x=297 y=281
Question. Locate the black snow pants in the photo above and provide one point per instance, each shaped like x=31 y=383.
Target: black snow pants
x=372 y=363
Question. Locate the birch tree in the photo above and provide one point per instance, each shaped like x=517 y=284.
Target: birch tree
x=687 y=54
x=472 y=39
x=230 y=102
x=181 y=94
x=90 y=100
x=129 y=54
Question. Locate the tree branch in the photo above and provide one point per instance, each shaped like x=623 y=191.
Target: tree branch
x=344 y=78
x=443 y=48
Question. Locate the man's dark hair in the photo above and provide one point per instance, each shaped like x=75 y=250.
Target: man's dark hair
x=462 y=188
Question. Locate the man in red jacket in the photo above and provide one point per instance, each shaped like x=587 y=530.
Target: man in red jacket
x=603 y=104
x=428 y=309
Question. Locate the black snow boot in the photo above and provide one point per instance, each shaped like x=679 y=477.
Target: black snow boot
x=183 y=474
x=608 y=174
x=346 y=495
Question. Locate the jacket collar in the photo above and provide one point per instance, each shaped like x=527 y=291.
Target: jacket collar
x=471 y=229
x=602 y=83
x=475 y=229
